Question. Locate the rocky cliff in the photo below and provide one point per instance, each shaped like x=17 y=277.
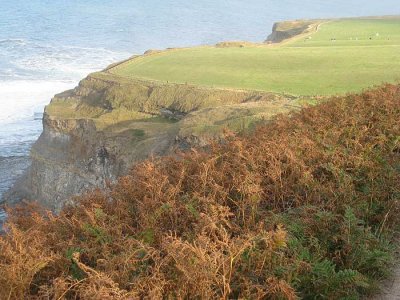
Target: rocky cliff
x=282 y=31
x=94 y=133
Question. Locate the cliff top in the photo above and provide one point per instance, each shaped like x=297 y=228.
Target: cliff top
x=317 y=58
x=161 y=88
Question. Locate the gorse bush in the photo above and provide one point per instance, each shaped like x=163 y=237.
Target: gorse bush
x=303 y=207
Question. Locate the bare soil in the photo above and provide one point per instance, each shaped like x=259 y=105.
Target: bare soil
x=390 y=289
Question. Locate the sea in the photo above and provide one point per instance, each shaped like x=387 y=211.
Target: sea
x=47 y=46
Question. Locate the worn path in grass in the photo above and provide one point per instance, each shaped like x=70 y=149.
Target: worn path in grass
x=391 y=289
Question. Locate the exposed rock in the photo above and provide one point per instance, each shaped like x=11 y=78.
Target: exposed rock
x=151 y=51
x=172 y=115
x=237 y=44
x=285 y=30
x=71 y=156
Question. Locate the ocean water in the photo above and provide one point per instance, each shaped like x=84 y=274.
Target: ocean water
x=47 y=46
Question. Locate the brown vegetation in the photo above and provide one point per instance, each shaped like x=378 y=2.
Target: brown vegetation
x=302 y=207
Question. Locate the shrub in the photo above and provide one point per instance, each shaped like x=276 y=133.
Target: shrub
x=302 y=207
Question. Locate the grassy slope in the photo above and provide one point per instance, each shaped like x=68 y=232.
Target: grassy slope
x=355 y=32
x=316 y=66
x=116 y=103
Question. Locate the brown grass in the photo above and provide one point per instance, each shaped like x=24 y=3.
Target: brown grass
x=300 y=208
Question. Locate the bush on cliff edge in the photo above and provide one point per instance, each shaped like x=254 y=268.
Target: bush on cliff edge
x=303 y=207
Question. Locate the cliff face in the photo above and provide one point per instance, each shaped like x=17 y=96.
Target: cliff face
x=69 y=157
x=282 y=31
x=72 y=156
x=96 y=132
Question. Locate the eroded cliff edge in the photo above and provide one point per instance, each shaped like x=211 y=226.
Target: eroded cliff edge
x=97 y=131
x=282 y=31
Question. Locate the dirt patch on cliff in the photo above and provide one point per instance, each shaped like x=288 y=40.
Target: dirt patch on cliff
x=390 y=289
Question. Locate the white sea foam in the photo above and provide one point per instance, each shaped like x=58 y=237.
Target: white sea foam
x=31 y=59
x=34 y=72
x=21 y=99
x=22 y=104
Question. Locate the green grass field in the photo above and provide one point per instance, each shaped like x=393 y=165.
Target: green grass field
x=355 y=32
x=343 y=56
